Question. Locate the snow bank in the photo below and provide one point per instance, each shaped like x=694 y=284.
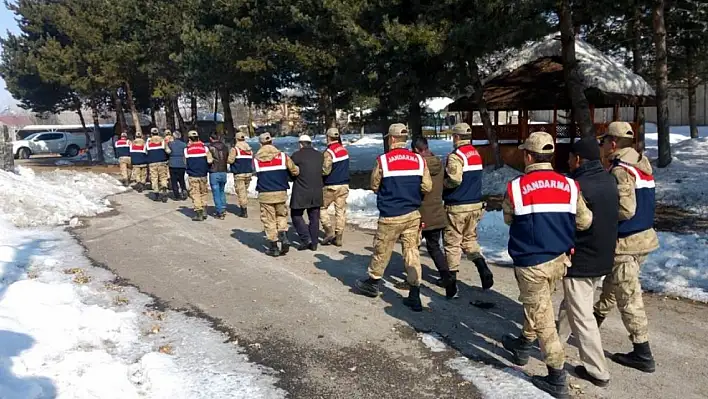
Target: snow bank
x=492 y=382
x=50 y=198
x=66 y=332
x=683 y=182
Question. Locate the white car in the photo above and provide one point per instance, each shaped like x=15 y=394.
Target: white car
x=65 y=144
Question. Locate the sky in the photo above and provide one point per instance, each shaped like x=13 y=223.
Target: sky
x=7 y=23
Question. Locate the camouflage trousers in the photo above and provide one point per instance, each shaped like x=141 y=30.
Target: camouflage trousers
x=461 y=236
x=159 y=172
x=125 y=168
x=536 y=285
x=198 y=192
x=336 y=195
x=385 y=239
x=622 y=289
x=275 y=219
x=241 y=183
x=140 y=173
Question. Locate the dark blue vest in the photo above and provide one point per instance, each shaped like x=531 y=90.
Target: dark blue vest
x=272 y=175
x=470 y=190
x=156 y=152
x=243 y=163
x=645 y=192
x=340 y=165
x=399 y=192
x=122 y=148
x=196 y=156
x=138 y=154
x=545 y=204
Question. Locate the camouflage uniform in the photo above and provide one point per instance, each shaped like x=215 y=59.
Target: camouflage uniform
x=390 y=229
x=622 y=287
x=125 y=168
x=139 y=171
x=199 y=191
x=537 y=283
x=159 y=172
x=274 y=211
x=241 y=180
x=333 y=194
x=461 y=231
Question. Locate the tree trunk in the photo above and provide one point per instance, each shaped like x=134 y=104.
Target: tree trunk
x=251 y=133
x=169 y=114
x=573 y=82
x=362 y=130
x=415 y=128
x=180 y=119
x=195 y=111
x=228 y=117
x=692 y=83
x=7 y=158
x=133 y=110
x=120 y=113
x=86 y=132
x=484 y=113
x=153 y=119
x=662 y=85
x=636 y=24
x=327 y=109
x=97 y=132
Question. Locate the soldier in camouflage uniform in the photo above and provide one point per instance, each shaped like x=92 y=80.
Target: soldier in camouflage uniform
x=157 y=163
x=543 y=209
x=121 y=150
x=463 y=203
x=399 y=179
x=273 y=169
x=197 y=158
x=336 y=188
x=241 y=161
x=637 y=239
x=138 y=159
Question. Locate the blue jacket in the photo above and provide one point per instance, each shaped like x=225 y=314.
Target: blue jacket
x=340 y=165
x=545 y=204
x=121 y=148
x=177 y=148
x=402 y=175
x=196 y=156
x=243 y=163
x=645 y=192
x=138 y=154
x=470 y=190
x=272 y=175
x=156 y=152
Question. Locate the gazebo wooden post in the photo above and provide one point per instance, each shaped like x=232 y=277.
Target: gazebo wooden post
x=555 y=120
x=496 y=117
x=616 y=113
x=524 y=124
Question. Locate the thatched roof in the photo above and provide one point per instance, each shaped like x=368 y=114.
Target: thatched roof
x=533 y=79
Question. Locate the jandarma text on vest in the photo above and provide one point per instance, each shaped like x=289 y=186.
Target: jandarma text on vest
x=403 y=157
x=472 y=153
x=545 y=184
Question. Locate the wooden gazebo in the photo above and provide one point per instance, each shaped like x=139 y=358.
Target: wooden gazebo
x=533 y=81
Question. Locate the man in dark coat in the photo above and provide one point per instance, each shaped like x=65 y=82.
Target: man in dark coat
x=433 y=215
x=593 y=258
x=307 y=193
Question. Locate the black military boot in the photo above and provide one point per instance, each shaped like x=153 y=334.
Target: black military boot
x=555 y=383
x=448 y=280
x=485 y=275
x=163 y=196
x=368 y=287
x=304 y=246
x=413 y=300
x=338 y=239
x=598 y=318
x=284 y=242
x=184 y=196
x=329 y=236
x=273 y=249
x=640 y=358
x=139 y=187
x=199 y=216
x=243 y=212
x=520 y=348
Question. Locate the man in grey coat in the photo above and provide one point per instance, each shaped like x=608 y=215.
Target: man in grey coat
x=175 y=148
x=307 y=193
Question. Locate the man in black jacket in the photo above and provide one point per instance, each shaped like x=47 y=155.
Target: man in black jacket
x=593 y=258
x=307 y=193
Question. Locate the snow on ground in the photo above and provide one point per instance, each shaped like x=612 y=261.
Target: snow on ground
x=29 y=199
x=492 y=382
x=108 y=155
x=682 y=183
x=67 y=332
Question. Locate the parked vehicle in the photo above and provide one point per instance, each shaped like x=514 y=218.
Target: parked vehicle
x=63 y=143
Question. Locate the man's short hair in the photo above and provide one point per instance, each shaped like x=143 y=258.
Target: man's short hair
x=540 y=158
x=306 y=144
x=621 y=142
x=214 y=136
x=420 y=144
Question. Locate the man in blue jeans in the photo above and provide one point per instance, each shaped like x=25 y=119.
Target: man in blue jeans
x=217 y=173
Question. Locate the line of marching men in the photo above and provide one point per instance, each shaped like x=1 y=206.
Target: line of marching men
x=596 y=223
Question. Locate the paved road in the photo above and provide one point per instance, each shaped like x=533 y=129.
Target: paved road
x=297 y=314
